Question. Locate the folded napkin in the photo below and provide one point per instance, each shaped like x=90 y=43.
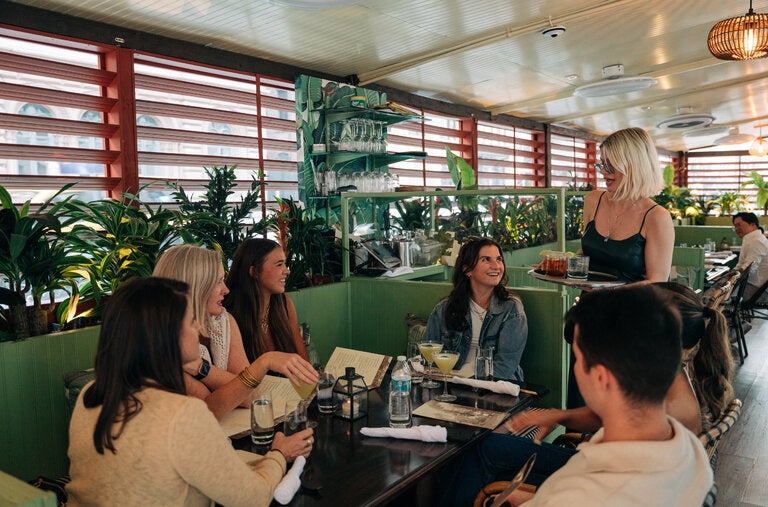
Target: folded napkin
x=291 y=483
x=423 y=433
x=498 y=386
x=417 y=366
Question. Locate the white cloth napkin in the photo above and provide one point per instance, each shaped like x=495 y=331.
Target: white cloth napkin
x=498 y=386
x=291 y=483
x=424 y=433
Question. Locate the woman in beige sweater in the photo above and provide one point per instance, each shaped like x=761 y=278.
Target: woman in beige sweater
x=136 y=438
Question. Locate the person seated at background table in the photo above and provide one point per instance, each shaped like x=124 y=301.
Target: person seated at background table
x=628 y=351
x=626 y=233
x=213 y=375
x=698 y=396
x=136 y=438
x=257 y=299
x=481 y=312
x=754 y=251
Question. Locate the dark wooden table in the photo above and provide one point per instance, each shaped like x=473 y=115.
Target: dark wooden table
x=353 y=470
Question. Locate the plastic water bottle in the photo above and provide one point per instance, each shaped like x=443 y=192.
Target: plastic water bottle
x=400 y=395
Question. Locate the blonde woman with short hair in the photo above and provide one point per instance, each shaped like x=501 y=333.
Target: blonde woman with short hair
x=626 y=233
x=222 y=375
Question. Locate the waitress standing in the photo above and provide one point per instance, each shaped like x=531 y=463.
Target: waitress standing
x=626 y=233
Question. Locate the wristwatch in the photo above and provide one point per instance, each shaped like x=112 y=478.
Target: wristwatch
x=202 y=372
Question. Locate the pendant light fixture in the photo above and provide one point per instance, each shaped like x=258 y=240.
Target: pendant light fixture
x=740 y=38
x=759 y=147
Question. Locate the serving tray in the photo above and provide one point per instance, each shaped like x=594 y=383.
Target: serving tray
x=595 y=280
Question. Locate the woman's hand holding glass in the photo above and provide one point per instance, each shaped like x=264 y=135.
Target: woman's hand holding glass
x=293 y=446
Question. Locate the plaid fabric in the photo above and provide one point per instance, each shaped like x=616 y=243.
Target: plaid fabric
x=711 y=438
x=55 y=485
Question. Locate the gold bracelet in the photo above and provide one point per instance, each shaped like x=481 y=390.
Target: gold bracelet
x=247 y=378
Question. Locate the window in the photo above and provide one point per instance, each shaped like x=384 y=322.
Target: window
x=711 y=175
x=572 y=161
x=52 y=99
x=510 y=157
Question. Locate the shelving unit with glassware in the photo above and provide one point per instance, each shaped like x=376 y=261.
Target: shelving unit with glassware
x=511 y=216
x=341 y=146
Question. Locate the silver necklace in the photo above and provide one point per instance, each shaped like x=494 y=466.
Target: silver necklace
x=612 y=222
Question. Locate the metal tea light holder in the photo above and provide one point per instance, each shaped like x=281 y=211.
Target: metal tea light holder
x=351 y=395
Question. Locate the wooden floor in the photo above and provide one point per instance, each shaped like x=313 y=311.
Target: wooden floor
x=742 y=472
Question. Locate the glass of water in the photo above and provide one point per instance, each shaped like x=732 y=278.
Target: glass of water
x=295 y=417
x=262 y=419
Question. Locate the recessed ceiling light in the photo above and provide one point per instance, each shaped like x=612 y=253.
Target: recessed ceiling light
x=646 y=108
x=571 y=77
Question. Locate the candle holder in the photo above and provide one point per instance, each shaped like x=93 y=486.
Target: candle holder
x=351 y=396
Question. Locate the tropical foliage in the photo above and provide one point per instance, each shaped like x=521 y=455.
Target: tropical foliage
x=756 y=180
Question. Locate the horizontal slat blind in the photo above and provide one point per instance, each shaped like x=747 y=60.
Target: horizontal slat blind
x=509 y=156
x=572 y=161
x=52 y=121
x=712 y=175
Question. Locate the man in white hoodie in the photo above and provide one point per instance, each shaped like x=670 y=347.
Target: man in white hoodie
x=628 y=351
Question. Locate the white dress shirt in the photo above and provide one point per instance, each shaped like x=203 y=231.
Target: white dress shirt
x=754 y=250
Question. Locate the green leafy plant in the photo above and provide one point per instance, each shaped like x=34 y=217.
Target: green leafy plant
x=729 y=203
x=411 y=215
x=756 y=180
x=678 y=200
x=212 y=219
x=121 y=239
x=312 y=253
x=33 y=260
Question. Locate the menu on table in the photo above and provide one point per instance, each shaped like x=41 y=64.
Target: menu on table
x=371 y=366
x=469 y=416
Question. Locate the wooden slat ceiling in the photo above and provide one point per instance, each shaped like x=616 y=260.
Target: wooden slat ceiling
x=488 y=54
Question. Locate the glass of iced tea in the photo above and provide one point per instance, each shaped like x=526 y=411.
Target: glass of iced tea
x=556 y=264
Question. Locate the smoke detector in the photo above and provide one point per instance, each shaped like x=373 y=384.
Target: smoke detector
x=686 y=121
x=553 y=30
x=614 y=83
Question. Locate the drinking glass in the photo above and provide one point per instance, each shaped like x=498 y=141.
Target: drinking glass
x=414 y=361
x=262 y=419
x=578 y=267
x=428 y=349
x=445 y=361
x=305 y=391
x=326 y=403
x=295 y=417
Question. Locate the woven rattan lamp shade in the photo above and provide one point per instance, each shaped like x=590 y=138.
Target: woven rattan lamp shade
x=741 y=38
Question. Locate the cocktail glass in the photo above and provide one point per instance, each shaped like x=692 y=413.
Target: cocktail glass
x=445 y=361
x=428 y=350
x=305 y=391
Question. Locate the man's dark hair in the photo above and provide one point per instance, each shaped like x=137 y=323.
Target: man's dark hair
x=634 y=332
x=747 y=216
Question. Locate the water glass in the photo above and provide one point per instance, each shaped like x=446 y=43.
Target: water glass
x=295 y=417
x=578 y=267
x=262 y=419
x=487 y=352
x=414 y=362
x=326 y=403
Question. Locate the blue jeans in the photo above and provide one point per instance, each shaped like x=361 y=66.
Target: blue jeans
x=498 y=457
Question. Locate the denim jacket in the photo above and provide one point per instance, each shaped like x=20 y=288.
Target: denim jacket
x=505 y=328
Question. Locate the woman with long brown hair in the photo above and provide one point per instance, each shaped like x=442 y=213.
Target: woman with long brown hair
x=257 y=299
